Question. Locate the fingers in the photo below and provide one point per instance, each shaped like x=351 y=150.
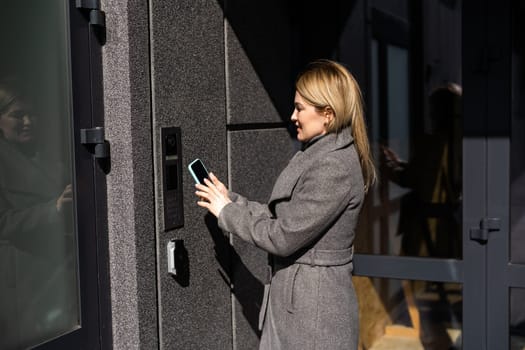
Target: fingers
x=217 y=182
x=201 y=187
x=212 y=187
x=213 y=195
x=204 y=204
x=203 y=195
x=208 y=193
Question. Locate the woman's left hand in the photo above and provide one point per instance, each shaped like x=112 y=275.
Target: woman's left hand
x=211 y=197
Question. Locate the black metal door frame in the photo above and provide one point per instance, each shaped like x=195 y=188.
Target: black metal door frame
x=90 y=184
x=502 y=274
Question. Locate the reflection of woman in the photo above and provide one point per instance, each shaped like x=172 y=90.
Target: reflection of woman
x=31 y=194
x=309 y=224
x=429 y=213
x=33 y=227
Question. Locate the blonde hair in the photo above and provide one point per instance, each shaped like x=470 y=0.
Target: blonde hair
x=330 y=87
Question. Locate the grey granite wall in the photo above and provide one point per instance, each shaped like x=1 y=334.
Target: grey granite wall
x=260 y=99
x=129 y=185
x=187 y=43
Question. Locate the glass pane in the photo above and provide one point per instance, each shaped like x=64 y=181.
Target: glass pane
x=415 y=128
x=517 y=141
x=517 y=319
x=396 y=314
x=38 y=250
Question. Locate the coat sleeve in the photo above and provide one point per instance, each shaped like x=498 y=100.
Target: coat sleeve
x=321 y=194
x=255 y=208
x=19 y=223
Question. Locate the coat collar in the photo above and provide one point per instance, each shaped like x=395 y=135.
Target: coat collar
x=329 y=142
x=303 y=159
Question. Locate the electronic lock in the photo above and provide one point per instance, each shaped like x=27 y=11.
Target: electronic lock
x=172 y=178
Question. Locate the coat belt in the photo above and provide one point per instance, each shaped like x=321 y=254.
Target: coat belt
x=319 y=257
x=313 y=257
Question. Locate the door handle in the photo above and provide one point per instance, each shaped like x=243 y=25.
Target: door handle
x=486 y=225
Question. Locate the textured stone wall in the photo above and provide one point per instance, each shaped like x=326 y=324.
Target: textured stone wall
x=223 y=72
x=131 y=204
x=187 y=47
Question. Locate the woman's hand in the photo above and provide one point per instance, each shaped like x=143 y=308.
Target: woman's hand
x=220 y=186
x=214 y=196
x=65 y=198
x=392 y=160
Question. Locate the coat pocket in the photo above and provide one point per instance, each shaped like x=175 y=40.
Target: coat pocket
x=264 y=306
x=290 y=286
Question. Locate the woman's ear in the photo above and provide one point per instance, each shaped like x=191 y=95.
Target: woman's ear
x=329 y=115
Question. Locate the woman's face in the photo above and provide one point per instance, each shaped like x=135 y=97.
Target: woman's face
x=308 y=120
x=17 y=124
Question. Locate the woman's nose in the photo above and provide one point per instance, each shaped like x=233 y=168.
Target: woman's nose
x=27 y=120
x=294 y=116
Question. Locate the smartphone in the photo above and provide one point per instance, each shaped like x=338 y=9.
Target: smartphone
x=198 y=171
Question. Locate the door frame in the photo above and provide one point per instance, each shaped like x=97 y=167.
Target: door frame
x=502 y=274
x=90 y=191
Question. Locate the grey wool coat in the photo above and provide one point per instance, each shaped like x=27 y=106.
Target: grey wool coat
x=37 y=261
x=308 y=227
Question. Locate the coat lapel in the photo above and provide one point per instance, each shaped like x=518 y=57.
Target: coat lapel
x=302 y=160
x=23 y=176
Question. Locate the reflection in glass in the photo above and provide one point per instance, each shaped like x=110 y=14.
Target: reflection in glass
x=38 y=259
x=415 y=113
x=408 y=315
x=517 y=319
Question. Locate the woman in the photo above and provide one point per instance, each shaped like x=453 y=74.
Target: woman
x=32 y=194
x=309 y=224
x=37 y=276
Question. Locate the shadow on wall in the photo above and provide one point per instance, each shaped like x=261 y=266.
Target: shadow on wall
x=227 y=257
x=280 y=37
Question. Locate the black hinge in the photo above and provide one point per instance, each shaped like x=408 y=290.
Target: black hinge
x=97 y=17
x=486 y=225
x=93 y=139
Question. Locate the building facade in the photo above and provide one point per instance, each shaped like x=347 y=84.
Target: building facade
x=118 y=97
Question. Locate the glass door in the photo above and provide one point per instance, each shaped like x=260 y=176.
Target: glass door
x=411 y=252
x=40 y=290
x=49 y=290
x=441 y=263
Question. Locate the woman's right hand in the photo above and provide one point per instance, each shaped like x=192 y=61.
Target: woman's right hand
x=212 y=197
x=65 y=198
x=392 y=160
x=219 y=185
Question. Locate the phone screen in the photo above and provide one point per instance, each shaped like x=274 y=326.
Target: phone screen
x=198 y=171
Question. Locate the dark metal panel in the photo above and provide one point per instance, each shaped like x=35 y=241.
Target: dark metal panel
x=411 y=268
x=474 y=253
x=498 y=242
x=498 y=55
x=474 y=173
x=100 y=168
